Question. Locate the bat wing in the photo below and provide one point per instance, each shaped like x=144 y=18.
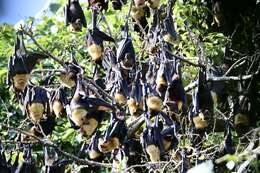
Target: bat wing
x=99 y=103
x=103 y=36
x=67 y=15
x=122 y=46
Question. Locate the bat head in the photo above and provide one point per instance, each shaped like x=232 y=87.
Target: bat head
x=78 y=116
x=57 y=108
x=89 y=126
x=37 y=103
x=135 y=109
x=120 y=98
x=20 y=82
x=96 y=52
x=76 y=26
x=114 y=136
x=36 y=111
x=154 y=104
x=154 y=153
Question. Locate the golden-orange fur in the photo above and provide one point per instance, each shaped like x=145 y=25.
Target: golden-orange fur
x=166 y=144
x=94 y=154
x=108 y=146
x=95 y=51
x=241 y=119
x=79 y=116
x=161 y=84
x=20 y=81
x=120 y=99
x=57 y=108
x=36 y=111
x=153 y=152
x=67 y=81
x=154 y=103
x=200 y=122
x=89 y=126
x=133 y=107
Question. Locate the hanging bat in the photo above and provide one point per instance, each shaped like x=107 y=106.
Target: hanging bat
x=52 y=164
x=151 y=140
x=120 y=90
x=93 y=151
x=163 y=78
x=135 y=102
x=154 y=102
x=125 y=53
x=87 y=111
x=74 y=16
x=218 y=89
x=21 y=64
x=114 y=135
x=169 y=32
x=68 y=77
x=241 y=110
x=203 y=104
x=36 y=103
x=170 y=141
x=95 y=39
x=58 y=102
x=175 y=97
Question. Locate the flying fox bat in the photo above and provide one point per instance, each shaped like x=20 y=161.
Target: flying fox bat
x=125 y=53
x=58 y=102
x=203 y=104
x=68 y=77
x=135 y=102
x=169 y=33
x=151 y=140
x=21 y=64
x=52 y=164
x=87 y=111
x=95 y=39
x=74 y=15
x=114 y=136
x=36 y=103
x=175 y=95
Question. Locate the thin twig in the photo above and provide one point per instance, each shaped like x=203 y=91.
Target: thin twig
x=51 y=144
x=42 y=49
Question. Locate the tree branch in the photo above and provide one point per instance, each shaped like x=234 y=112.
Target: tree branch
x=49 y=143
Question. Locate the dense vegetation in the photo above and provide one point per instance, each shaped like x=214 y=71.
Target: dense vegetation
x=206 y=83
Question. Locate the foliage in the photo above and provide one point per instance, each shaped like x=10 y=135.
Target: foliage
x=51 y=33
